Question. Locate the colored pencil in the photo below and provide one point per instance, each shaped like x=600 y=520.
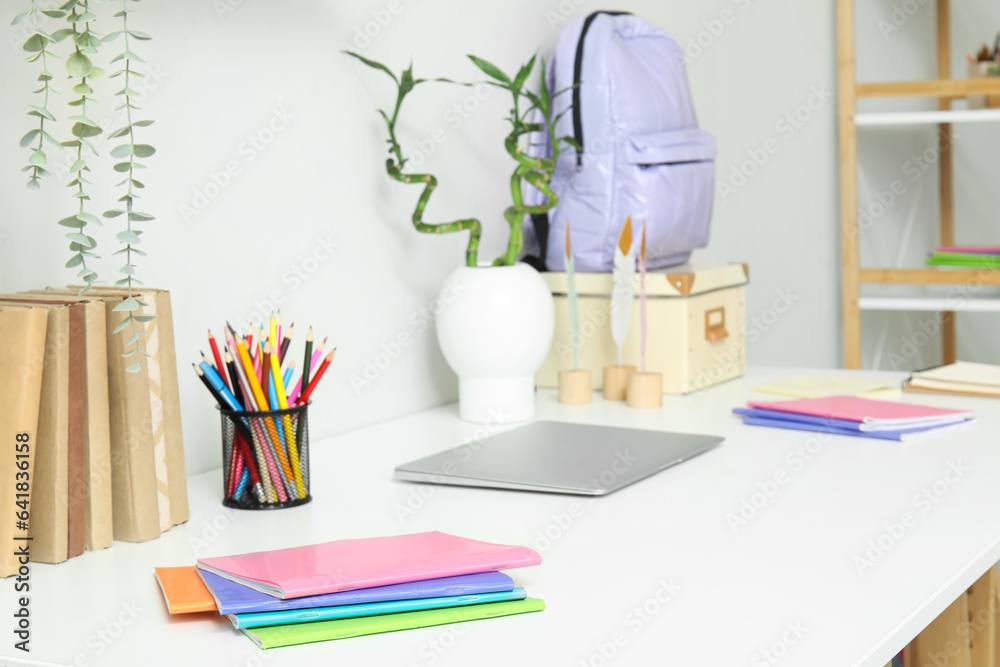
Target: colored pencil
x=286 y=342
x=286 y=420
x=307 y=392
x=303 y=381
x=306 y=362
x=218 y=357
x=234 y=379
x=263 y=452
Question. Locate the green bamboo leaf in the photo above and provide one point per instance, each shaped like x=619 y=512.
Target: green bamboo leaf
x=523 y=73
x=490 y=69
x=374 y=64
x=79 y=65
x=37 y=158
x=28 y=138
x=122 y=150
x=128 y=237
x=128 y=305
x=143 y=150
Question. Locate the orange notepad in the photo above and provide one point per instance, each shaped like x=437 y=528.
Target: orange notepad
x=183 y=590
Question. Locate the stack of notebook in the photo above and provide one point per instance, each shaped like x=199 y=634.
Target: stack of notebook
x=856 y=416
x=350 y=588
x=961 y=377
x=983 y=257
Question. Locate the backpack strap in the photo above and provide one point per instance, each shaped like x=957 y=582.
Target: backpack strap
x=540 y=221
x=577 y=73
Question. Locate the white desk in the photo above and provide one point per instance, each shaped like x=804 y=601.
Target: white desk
x=786 y=582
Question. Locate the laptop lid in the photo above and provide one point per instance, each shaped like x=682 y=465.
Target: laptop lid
x=559 y=457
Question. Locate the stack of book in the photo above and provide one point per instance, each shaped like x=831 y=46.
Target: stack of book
x=101 y=454
x=856 y=416
x=350 y=588
x=979 y=257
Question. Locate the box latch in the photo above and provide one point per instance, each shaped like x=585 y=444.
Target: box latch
x=715 y=324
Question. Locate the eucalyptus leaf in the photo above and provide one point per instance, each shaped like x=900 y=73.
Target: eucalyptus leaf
x=121 y=325
x=122 y=166
x=28 y=138
x=128 y=237
x=35 y=43
x=122 y=150
x=54 y=13
x=142 y=123
x=113 y=213
x=88 y=218
x=142 y=217
x=134 y=368
x=139 y=35
x=23 y=15
x=75 y=260
x=144 y=318
x=71 y=221
x=143 y=150
x=60 y=35
x=38 y=158
x=79 y=65
x=40 y=111
x=128 y=305
x=82 y=89
x=33 y=184
x=81 y=239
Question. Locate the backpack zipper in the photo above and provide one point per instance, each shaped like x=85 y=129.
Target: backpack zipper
x=577 y=72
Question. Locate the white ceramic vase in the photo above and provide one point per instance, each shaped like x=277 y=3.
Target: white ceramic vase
x=495 y=329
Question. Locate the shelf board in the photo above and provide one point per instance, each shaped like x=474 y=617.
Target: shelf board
x=943 y=88
x=933 y=304
x=930 y=276
x=922 y=117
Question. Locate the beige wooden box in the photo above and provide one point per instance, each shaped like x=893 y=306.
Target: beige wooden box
x=696 y=334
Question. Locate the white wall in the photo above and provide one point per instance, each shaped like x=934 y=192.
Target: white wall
x=225 y=66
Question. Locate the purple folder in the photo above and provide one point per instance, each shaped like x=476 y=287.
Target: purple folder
x=233 y=598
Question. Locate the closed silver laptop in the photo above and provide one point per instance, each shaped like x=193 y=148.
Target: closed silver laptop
x=559 y=457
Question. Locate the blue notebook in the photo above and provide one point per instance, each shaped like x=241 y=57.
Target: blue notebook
x=290 y=616
x=233 y=598
x=902 y=436
x=821 y=421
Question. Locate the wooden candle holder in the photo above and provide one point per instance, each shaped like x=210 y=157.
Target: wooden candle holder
x=575 y=387
x=616 y=382
x=645 y=390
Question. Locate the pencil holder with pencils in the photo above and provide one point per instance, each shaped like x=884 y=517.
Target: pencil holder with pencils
x=265 y=458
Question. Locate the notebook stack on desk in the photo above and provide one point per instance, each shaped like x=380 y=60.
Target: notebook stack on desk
x=350 y=588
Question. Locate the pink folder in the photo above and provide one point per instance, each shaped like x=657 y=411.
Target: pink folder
x=863 y=410
x=345 y=565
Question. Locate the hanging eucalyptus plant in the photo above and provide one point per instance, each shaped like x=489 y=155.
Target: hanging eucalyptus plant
x=84 y=47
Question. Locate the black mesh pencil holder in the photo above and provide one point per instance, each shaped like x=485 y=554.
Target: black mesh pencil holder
x=265 y=458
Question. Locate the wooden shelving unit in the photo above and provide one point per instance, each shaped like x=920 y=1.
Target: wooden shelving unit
x=945 y=89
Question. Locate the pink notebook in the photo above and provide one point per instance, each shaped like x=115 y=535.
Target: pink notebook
x=863 y=410
x=971 y=249
x=345 y=565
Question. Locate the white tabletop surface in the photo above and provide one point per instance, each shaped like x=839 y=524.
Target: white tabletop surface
x=653 y=574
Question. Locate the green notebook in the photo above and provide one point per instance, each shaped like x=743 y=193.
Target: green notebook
x=303 y=633
x=964 y=260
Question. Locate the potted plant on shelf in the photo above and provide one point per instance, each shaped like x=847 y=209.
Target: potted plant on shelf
x=497 y=333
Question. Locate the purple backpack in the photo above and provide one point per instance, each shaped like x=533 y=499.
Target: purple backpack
x=643 y=153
